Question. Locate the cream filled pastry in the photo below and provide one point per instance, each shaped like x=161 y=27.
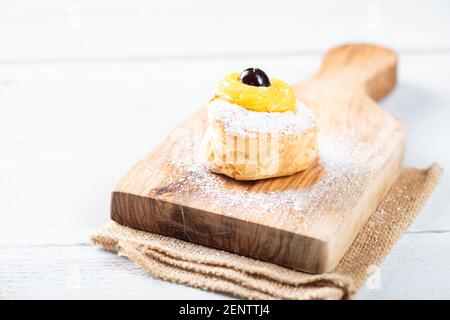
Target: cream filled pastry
x=257 y=129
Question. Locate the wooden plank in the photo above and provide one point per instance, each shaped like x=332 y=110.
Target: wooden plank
x=91 y=29
x=167 y=192
x=81 y=272
x=415 y=269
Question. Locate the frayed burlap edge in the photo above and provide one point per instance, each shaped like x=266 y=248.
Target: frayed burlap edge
x=210 y=269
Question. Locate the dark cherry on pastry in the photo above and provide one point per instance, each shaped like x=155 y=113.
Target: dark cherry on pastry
x=254 y=77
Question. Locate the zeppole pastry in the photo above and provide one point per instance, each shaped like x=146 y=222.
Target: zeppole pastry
x=257 y=129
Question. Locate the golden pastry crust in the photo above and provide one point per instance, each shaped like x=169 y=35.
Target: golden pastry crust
x=249 y=154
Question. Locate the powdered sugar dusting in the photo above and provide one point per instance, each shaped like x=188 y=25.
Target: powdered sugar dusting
x=343 y=168
x=243 y=122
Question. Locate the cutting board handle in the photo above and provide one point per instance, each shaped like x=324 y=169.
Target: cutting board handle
x=353 y=68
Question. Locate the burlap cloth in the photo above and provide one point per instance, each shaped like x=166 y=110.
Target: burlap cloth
x=210 y=269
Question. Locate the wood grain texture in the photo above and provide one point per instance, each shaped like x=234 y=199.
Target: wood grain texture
x=342 y=96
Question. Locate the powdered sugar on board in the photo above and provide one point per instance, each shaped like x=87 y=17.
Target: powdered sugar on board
x=343 y=164
x=242 y=122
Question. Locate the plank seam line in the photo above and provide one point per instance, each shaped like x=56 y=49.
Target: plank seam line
x=46 y=245
x=191 y=57
x=427 y=231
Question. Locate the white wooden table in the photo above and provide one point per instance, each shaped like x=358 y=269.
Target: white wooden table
x=89 y=87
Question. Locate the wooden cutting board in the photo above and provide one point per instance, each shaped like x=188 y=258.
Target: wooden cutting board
x=306 y=221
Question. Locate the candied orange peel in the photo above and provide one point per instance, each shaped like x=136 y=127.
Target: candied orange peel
x=278 y=97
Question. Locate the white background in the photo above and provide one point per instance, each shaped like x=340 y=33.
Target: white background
x=87 y=88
